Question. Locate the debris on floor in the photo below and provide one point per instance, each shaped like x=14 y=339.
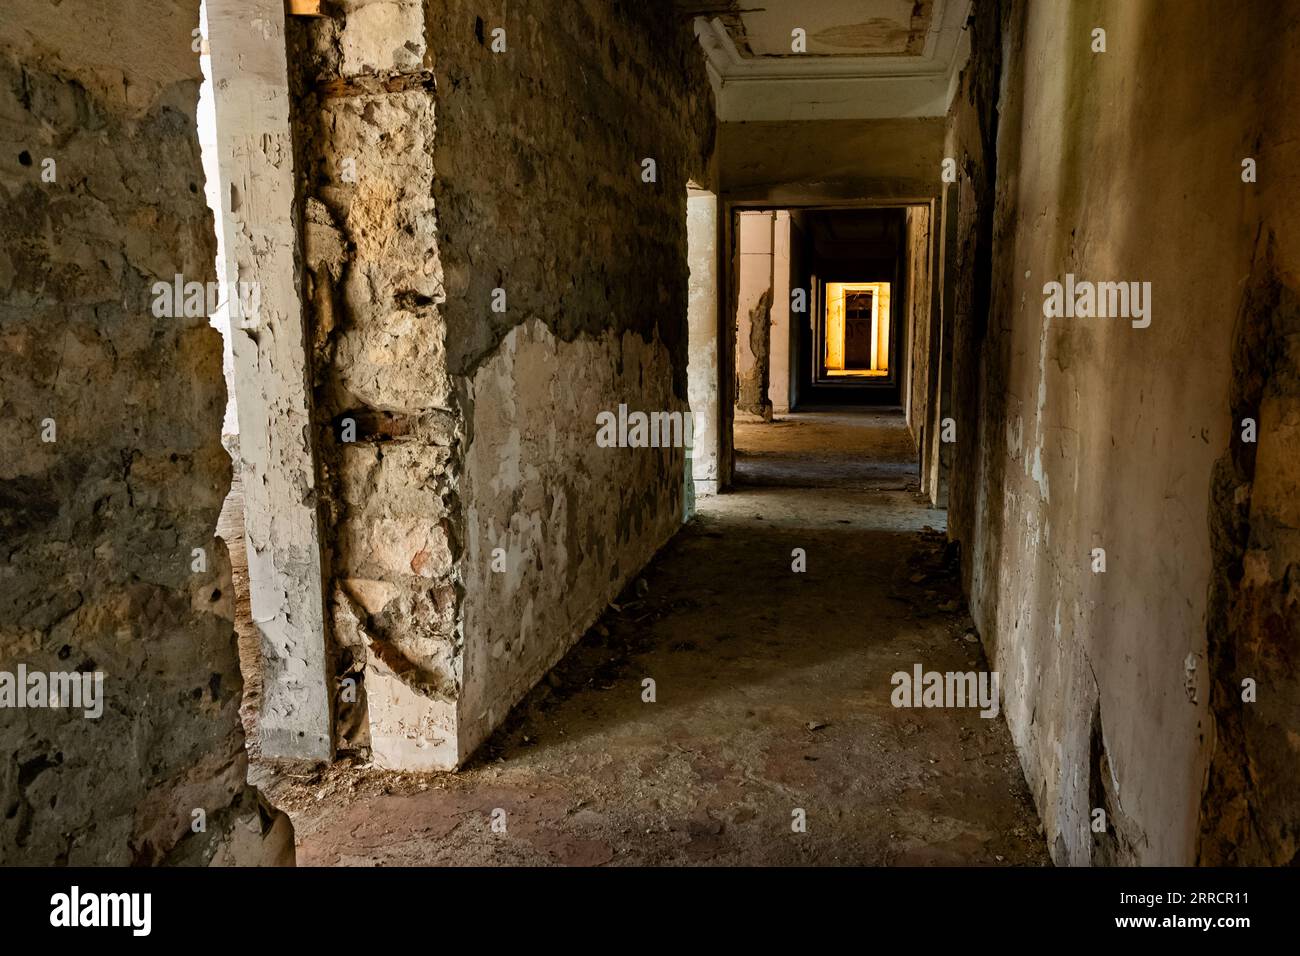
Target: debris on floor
x=771 y=707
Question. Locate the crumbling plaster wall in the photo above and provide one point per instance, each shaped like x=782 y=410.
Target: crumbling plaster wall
x=785 y=235
x=594 y=260
x=269 y=358
x=703 y=366
x=753 y=318
x=98 y=526
x=573 y=520
x=388 y=426
x=1084 y=433
x=920 y=278
x=477 y=171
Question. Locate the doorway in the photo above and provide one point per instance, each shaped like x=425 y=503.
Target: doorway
x=825 y=304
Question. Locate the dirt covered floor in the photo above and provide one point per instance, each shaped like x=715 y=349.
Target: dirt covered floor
x=857 y=449
x=772 y=696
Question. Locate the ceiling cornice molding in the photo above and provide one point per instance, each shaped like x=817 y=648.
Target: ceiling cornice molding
x=941 y=47
x=756 y=89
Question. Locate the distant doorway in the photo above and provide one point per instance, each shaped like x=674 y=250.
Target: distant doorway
x=855 y=330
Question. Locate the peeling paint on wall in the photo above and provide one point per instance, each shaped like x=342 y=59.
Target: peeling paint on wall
x=574 y=520
x=487 y=178
x=1090 y=434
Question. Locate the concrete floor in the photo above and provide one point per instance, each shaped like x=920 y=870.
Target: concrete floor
x=863 y=450
x=773 y=694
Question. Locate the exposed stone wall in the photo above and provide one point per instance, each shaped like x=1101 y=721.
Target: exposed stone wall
x=1083 y=433
x=479 y=171
x=99 y=525
x=364 y=129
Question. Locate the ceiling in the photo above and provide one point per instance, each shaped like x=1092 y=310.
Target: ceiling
x=855 y=233
x=832 y=28
x=863 y=59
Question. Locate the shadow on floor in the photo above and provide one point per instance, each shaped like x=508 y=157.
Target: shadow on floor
x=772 y=701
